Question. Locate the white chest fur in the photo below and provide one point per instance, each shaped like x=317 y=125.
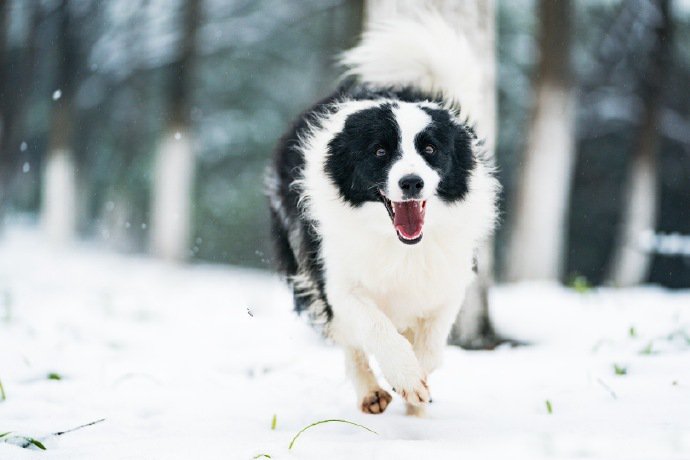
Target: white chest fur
x=361 y=253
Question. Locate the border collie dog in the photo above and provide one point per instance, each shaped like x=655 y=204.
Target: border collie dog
x=380 y=196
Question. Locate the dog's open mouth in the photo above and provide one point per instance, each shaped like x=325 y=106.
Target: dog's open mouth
x=407 y=218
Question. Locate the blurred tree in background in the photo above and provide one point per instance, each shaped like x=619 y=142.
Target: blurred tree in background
x=174 y=166
x=59 y=185
x=537 y=251
x=641 y=193
x=97 y=80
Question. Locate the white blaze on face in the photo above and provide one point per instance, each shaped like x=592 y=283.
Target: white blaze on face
x=411 y=120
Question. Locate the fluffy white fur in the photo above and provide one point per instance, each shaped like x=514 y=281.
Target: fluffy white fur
x=390 y=300
x=418 y=49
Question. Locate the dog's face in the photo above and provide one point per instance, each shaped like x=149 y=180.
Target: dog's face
x=403 y=155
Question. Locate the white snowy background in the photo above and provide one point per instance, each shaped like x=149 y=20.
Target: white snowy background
x=193 y=362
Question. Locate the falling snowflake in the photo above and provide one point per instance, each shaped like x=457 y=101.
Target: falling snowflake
x=57 y=94
x=23 y=146
x=26 y=168
x=178 y=136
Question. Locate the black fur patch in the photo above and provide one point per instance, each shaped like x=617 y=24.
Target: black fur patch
x=453 y=157
x=353 y=164
x=299 y=256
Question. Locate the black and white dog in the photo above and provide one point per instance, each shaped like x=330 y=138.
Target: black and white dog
x=380 y=196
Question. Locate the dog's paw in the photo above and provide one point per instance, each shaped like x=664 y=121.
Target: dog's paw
x=405 y=375
x=376 y=402
x=416 y=393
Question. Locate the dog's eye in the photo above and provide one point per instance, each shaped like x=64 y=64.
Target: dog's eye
x=380 y=152
x=429 y=149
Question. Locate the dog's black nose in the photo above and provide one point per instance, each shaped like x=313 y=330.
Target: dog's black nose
x=411 y=185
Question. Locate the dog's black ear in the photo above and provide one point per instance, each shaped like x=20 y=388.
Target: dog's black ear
x=455 y=182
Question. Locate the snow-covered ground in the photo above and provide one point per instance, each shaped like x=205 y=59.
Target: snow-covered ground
x=192 y=362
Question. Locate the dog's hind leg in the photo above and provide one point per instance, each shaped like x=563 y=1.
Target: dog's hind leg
x=372 y=398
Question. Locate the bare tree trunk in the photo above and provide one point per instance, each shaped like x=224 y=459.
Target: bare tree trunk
x=4 y=66
x=630 y=263
x=174 y=164
x=476 y=18
x=59 y=192
x=538 y=236
x=14 y=100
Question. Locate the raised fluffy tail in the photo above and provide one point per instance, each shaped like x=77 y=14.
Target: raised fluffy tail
x=418 y=49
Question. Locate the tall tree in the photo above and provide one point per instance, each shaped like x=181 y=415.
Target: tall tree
x=538 y=235
x=476 y=19
x=174 y=164
x=4 y=156
x=631 y=263
x=16 y=77
x=59 y=189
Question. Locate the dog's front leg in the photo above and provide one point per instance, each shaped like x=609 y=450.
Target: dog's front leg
x=357 y=322
x=428 y=340
x=431 y=336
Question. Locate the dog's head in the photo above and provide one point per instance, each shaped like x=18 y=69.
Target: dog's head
x=404 y=155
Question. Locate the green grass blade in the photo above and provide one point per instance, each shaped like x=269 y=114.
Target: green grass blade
x=3 y=396
x=648 y=350
x=292 y=443
x=274 y=422
x=36 y=443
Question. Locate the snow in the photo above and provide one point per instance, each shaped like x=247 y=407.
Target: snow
x=193 y=362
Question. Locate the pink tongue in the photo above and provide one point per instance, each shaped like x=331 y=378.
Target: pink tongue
x=409 y=218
